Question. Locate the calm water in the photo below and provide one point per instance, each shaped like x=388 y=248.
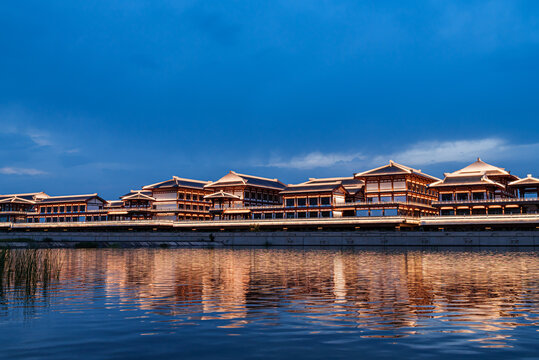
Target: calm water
x=292 y=303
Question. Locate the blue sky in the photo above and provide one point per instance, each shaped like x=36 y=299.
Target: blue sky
x=107 y=96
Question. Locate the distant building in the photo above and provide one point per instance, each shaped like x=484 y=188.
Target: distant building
x=484 y=189
x=396 y=189
x=233 y=192
x=69 y=208
x=15 y=207
x=179 y=199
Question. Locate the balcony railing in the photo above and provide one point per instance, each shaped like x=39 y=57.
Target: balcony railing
x=485 y=201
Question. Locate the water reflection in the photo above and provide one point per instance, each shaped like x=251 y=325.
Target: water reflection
x=374 y=293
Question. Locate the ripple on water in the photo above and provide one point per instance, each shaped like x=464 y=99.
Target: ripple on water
x=239 y=303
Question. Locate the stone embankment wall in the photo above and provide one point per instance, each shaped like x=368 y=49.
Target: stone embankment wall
x=280 y=238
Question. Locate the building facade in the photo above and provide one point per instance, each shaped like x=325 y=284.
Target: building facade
x=484 y=189
x=70 y=208
x=396 y=189
x=179 y=199
x=232 y=194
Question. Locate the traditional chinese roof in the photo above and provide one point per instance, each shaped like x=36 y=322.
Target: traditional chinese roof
x=134 y=192
x=315 y=187
x=114 y=203
x=528 y=180
x=236 y=179
x=222 y=195
x=16 y=200
x=465 y=180
x=177 y=182
x=394 y=168
x=477 y=173
x=481 y=167
x=138 y=195
x=351 y=184
x=71 y=198
x=27 y=196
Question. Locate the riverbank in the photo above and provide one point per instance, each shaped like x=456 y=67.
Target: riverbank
x=67 y=239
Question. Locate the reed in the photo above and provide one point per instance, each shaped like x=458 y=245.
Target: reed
x=28 y=269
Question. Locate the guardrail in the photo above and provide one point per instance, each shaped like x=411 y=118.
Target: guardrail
x=485 y=201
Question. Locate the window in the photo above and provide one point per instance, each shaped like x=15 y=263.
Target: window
x=68 y=209
x=372 y=199
x=512 y=210
x=62 y=209
x=313 y=201
x=257 y=216
x=325 y=201
x=530 y=195
x=462 y=196
x=401 y=198
x=391 y=212
x=463 y=212
x=313 y=214
x=362 y=212
x=68 y=219
x=290 y=202
x=49 y=209
x=180 y=206
x=54 y=219
x=61 y=219
x=446 y=197
x=75 y=208
x=481 y=211
x=478 y=196
x=180 y=196
x=325 y=214
x=247 y=195
x=42 y=210
x=55 y=209
x=302 y=202
x=376 y=212
x=265 y=197
x=82 y=208
x=268 y=216
x=75 y=219
x=495 y=211
x=278 y=215
x=385 y=199
x=187 y=207
x=48 y=220
x=259 y=196
x=302 y=215
x=187 y=196
x=290 y=215
x=103 y=218
x=88 y=218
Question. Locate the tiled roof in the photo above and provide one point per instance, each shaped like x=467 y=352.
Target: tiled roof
x=27 y=196
x=222 y=195
x=71 y=198
x=177 y=182
x=481 y=167
x=529 y=180
x=132 y=192
x=138 y=196
x=465 y=180
x=394 y=169
x=309 y=188
x=351 y=184
x=233 y=179
x=15 y=200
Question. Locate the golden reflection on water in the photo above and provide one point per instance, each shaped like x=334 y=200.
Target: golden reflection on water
x=444 y=291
